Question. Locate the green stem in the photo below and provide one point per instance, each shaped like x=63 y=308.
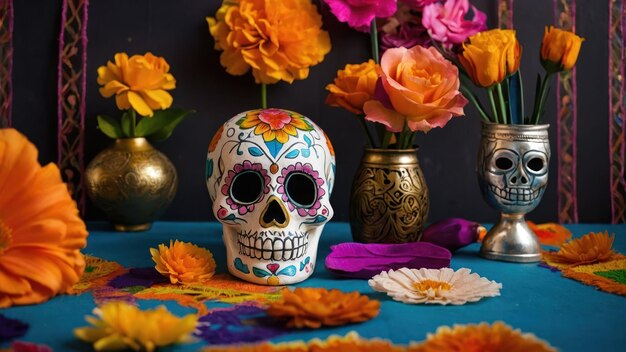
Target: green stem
x=400 y=143
x=374 y=39
x=386 y=139
x=370 y=139
x=492 y=102
x=263 y=95
x=501 y=102
x=541 y=99
x=474 y=99
x=133 y=122
x=409 y=140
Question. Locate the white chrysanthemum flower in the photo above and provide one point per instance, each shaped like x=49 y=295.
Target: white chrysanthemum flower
x=434 y=286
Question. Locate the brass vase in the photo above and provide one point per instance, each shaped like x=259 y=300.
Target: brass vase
x=132 y=183
x=389 y=200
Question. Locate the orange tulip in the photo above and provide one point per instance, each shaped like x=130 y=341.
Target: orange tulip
x=490 y=56
x=559 y=49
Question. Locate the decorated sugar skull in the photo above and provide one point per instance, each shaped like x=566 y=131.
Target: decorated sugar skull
x=270 y=173
x=514 y=171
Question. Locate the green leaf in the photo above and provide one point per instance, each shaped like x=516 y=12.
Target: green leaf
x=110 y=126
x=127 y=121
x=161 y=125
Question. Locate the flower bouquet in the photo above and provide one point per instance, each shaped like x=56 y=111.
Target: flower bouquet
x=130 y=181
x=514 y=153
x=413 y=89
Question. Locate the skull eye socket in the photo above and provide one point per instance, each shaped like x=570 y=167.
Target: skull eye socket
x=247 y=187
x=504 y=163
x=301 y=189
x=535 y=164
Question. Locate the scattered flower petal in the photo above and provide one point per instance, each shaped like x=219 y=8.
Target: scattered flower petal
x=434 y=286
x=184 y=262
x=20 y=346
x=453 y=233
x=313 y=307
x=119 y=325
x=481 y=337
x=588 y=249
x=550 y=234
x=145 y=277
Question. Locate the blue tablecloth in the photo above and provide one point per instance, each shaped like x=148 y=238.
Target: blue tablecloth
x=568 y=314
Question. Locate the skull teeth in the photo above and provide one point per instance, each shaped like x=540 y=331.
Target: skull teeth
x=273 y=245
x=516 y=194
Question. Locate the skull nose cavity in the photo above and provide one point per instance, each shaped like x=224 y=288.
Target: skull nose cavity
x=274 y=214
x=523 y=180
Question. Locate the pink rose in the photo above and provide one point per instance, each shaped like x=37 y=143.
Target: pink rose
x=418 y=85
x=446 y=22
x=360 y=13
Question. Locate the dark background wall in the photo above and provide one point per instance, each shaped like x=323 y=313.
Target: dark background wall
x=178 y=31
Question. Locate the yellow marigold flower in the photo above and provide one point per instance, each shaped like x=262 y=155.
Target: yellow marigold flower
x=184 y=263
x=481 y=337
x=314 y=307
x=41 y=232
x=353 y=86
x=119 y=325
x=140 y=82
x=278 y=39
x=490 y=56
x=591 y=248
x=559 y=49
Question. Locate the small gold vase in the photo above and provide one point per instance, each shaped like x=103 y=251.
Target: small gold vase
x=132 y=183
x=389 y=200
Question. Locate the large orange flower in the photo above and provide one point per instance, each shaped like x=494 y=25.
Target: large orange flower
x=278 y=39
x=41 y=233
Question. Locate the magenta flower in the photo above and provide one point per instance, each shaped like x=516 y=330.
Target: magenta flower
x=404 y=29
x=307 y=169
x=447 y=22
x=418 y=4
x=360 y=13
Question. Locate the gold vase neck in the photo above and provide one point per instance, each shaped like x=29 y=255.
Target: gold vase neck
x=135 y=144
x=390 y=156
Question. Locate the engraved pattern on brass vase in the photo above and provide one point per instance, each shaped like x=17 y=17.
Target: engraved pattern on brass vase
x=389 y=201
x=132 y=183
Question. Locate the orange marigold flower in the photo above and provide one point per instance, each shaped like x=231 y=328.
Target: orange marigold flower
x=550 y=234
x=351 y=342
x=183 y=262
x=140 y=82
x=314 y=307
x=591 y=248
x=41 y=233
x=278 y=39
x=481 y=337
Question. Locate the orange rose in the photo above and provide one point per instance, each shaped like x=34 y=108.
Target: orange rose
x=422 y=88
x=353 y=86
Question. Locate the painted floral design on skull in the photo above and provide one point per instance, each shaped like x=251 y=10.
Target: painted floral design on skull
x=270 y=173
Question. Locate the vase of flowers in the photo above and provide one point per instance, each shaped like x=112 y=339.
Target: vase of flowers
x=131 y=181
x=514 y=151
x=413 y=89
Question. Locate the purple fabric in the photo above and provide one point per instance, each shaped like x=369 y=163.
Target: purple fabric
x=11 y=328
x=453 y=233
x=547 y=266
x=138 y=277
x=363 y=261
x=239 y=324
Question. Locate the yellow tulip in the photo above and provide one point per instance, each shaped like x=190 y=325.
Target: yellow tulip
x=559 y=49
x=490 y=56
x=140 y=82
